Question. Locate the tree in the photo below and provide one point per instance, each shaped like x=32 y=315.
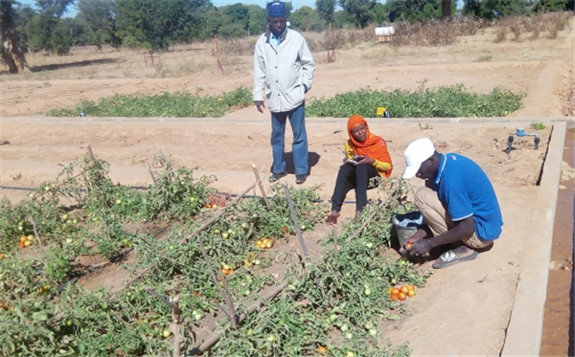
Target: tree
x=155 y=24
x=237 y=14
x=11 y=53
x=56 y=38
x=306 y=19
x=414 y=10
x=551 y=5
x=258 y=19
x=325 y=10
x=235 y=20
x=99 y=16
x=358 y=10
x=490 y=9
x=472 y=7
x=506 y=7
x=446 y=9
x=379 y=14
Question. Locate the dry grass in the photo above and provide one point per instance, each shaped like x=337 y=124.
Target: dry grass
x=536 y=24
x=235 y=54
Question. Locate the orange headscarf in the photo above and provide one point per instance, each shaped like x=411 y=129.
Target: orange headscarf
x=374 y=146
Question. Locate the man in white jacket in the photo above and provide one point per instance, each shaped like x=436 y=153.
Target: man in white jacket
x=283 y=73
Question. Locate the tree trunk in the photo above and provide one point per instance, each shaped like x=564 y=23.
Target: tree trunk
x=12 y=55
x=446 y=9
x=7 y=57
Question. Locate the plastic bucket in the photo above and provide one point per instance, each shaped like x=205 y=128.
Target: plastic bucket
x=406 y=225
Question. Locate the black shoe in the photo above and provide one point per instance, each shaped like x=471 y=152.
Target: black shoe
x=275 y=177
x=299 y=179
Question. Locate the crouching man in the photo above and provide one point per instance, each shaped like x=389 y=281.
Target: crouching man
x=458 y=203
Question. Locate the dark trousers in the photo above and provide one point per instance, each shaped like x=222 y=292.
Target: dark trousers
x=352 y=177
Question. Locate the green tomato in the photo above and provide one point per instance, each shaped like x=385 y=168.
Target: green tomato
x=197 y=315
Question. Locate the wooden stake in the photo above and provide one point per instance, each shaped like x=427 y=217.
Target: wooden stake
x=220 y=66
x=175 y=325
x=262 y=190
x=151 y=174
x=209 y=342
x=296 y=223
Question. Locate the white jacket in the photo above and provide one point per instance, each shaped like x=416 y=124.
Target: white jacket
x=281 y=74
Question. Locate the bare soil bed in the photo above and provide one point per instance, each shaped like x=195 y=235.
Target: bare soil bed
x=463 y=310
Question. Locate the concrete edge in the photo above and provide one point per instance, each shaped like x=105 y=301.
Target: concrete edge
x=525 y=327
x=497 y=121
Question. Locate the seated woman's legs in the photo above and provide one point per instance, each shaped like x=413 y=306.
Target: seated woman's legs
x=343 y=184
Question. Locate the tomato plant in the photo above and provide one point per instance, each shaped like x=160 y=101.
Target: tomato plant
x=334 y=304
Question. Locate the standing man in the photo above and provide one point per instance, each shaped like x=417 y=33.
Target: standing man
x=458 y=203
x=283 y=73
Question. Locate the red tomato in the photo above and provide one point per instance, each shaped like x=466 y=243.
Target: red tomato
x=227 y=271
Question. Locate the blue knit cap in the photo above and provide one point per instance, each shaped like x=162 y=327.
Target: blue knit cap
x=276 y=9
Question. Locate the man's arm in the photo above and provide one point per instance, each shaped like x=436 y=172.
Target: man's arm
x=308 y=66
x=259 y=77
x=463 y=229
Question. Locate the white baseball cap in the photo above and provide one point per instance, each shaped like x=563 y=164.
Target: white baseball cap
x=415 y=154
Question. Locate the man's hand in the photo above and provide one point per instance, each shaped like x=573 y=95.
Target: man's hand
x=420 y=247
x=260 y=105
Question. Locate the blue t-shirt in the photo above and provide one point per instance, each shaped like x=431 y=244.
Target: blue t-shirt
x=466 y=191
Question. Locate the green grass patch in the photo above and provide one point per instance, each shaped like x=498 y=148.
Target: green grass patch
x=172 y=105
x=443 y=102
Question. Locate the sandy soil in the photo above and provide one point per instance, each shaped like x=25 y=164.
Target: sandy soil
x=463 y=310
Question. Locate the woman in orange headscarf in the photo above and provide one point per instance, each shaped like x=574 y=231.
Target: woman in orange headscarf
x=366 y=157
